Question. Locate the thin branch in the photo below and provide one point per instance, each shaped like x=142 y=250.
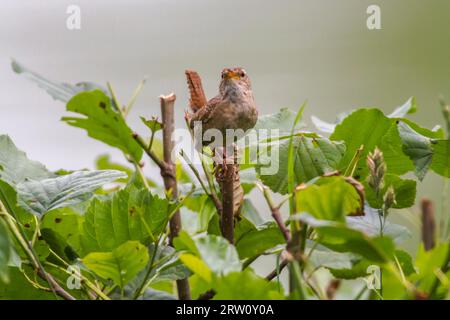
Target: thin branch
x=428 y=224
x=213 y=192
x=227 y=221
x=213 y=196
x=276 y=214
x=162 y=166
x=169 y=176
x=277 y=270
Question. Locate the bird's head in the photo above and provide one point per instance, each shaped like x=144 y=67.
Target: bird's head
x=234 y=78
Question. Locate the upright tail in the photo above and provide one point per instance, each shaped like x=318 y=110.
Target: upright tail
x=197 y=98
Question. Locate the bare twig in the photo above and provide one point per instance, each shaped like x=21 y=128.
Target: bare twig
x=169 y=175
x=428 y=224
x=227 y=221
x=278 y=270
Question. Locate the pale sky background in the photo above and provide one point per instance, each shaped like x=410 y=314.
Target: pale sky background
x=320 y=51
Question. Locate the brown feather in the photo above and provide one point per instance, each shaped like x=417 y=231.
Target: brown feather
x=197 y=95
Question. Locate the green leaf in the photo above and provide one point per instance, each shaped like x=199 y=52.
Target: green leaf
x=409 y=107
x=245 y=286
x=441 y=158
x=313 y=156
x=59 y=245
x=102 y=122
x=417 y=147
x=197 y=266
x=215 y=252
x=371 y=128
x=329 y=198
x=41 y=196
x=282 y=120
x=323 y=125
x=168 y=266
x=426 y=148
x=65 y=223
x=358 y=269
x=15 y=167
x=369 y=224
x=103 y=162
x=428 y=262
x=249 y=212
x=131 y=214
x=8 y=197
x=436 y=133
x=120 y=265
x=153 y=124
x=323 y=257
x=19 y=288
x=259 y=240
x=165 y=267
x=207 y=210
x=59 y=91
x=340 y=238
x=405 y=192
x=5 y=252
x=405 y=261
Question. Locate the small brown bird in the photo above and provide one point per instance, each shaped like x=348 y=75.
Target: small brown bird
x=233 y=108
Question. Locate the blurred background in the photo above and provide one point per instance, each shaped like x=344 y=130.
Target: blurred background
x=320 y=51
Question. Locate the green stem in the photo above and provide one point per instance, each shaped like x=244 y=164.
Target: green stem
x=350 y=171
x=28 y=249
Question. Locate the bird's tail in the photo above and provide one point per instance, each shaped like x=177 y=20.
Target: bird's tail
x=197 y=98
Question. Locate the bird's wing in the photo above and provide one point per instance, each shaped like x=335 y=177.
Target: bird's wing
x=197 y=94
x=204 y=114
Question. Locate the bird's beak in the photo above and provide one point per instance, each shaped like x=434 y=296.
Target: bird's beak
x=232 y=75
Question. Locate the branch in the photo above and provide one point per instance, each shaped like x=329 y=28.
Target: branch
x=278 y=270
x=162 y=166
x=428 y=224
x=169 y=176
x=227 y=221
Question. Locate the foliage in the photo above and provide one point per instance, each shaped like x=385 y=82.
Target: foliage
x=118 y=237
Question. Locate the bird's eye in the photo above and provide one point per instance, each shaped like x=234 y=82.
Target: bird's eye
x=242 y=74
x=223 y=75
